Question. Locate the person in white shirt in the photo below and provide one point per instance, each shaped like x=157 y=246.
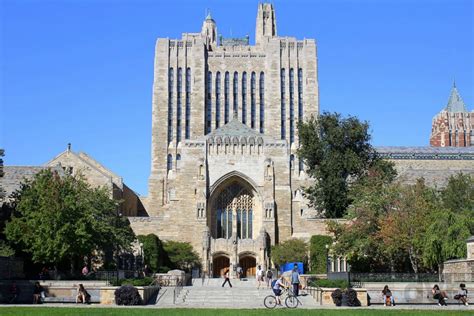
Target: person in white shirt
x=260 y=273
x=277 y=288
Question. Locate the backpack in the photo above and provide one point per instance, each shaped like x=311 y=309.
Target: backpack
x=274 y=282
x=269 y=274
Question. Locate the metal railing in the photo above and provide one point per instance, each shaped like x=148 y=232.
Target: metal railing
x=359 y=278
x=177 y=290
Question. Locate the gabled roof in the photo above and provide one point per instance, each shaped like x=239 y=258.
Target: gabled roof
x=455 y=102
x=235 y=128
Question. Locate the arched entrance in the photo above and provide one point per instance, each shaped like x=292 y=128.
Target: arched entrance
x=248 y=264
x=220 y=265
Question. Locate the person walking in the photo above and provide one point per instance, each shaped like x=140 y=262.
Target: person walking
x=227 y=280
x=260 y=273
x=295 y=280
x=269 y=277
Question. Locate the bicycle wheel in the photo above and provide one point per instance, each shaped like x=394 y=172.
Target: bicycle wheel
x=291 y=301
x=270 y=302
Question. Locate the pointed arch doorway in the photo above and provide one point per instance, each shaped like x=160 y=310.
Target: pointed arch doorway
x=248 y=264
x=220 y=264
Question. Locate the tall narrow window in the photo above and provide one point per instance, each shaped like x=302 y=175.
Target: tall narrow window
x=301 y=165
x=178 y=105
x=239 y=223
x=244 y=98
x=226 y=97
x=169 y=162
x=292 y=107
x=209 y=102
x=252 y=100
x=262 y=101
x=219 y=223
x=292 y=162
x=236 y=93
x=250 y=220
x=244 y=224
x=229 y=223
x=188 y=104
x=283 y=105
x=224 y=223
x=300 y=95
x=218 y=101
x=178 y=161
x=170 y=104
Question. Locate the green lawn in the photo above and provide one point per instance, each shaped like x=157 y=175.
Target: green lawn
x=91 y=311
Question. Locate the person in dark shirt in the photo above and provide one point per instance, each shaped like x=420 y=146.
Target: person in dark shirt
x=37 y=293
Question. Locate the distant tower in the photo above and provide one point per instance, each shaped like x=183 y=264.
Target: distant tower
x=209 y=32
x=266 y=23
x=454 y=125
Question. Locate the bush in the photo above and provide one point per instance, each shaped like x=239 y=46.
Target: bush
x=352 y=299
x=181 y=255
x=127 y=295
x=337 y=297
x=155 y=256
x=318 y=253
x=343 y=284
x=292 y=250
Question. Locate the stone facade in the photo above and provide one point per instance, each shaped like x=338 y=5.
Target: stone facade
x=454 y=125
x=224 y=174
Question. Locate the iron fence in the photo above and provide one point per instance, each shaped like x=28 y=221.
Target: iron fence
x=358 y=278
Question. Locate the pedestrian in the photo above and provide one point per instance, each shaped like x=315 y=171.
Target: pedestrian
x=146 y=271
x=259 y=276
x=439 y=295
x=227 y=279
x=295 y=280
x=240 y=272
x=85 y=271
x=269 y=277
x=276 y=287
x=38 y=293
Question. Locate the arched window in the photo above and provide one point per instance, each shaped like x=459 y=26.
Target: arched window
x=252 y=100
x=218 y=101
x=170 y=104
x=188 y=104
x=236 y=93
x=283 y=105
x=208 y=102
x=262 y=101
x=292 y=108
x=178 y=105
x=178 y=161
x=169 y=163
x=244 y=224
x=226 y=97
x=300 y=95
x=244 y=98
x=292 y=161
x=301 y=165
x=250 y=221
x=239 y=223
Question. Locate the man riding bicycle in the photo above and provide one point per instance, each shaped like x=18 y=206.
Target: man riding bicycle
x=276 y=287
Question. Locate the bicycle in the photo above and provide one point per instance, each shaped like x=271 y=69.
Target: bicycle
x=291 y=301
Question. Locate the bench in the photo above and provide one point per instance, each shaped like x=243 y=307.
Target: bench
x=59 y=297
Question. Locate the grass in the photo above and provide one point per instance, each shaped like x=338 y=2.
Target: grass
x=91 y=311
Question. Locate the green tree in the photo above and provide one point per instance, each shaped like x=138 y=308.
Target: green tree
x=337 y=153
x=459 y=194
x=292 y=250
x=62 y=219
x=181 y=255
x=155 y=256
x=318 y=251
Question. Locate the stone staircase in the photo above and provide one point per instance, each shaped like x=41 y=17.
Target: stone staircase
x=211 y=294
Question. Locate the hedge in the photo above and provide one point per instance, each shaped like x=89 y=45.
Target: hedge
x=318 y=253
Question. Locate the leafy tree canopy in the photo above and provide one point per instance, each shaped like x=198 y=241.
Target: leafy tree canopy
x=337 y=153
x=155 y=256
x=292 y=250
x=181 y=255
x=62 y=218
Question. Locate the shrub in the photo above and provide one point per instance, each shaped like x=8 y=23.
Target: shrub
x=343 y=284
x=337 y=297
x=155 y=256
x=352 y=299
x=137 y=282
x=292 y=250
x=318 y=253
x=181 y=255
x=127 y=295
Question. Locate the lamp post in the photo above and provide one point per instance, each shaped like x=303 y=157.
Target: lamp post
x=117 y=220
x=327 y=258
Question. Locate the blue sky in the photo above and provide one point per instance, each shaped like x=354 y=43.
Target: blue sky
x=81 y=71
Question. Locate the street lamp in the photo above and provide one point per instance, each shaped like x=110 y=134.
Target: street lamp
x=117 y=247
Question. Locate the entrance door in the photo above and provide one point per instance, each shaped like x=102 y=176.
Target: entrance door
x=248 y=265
x=220 y=266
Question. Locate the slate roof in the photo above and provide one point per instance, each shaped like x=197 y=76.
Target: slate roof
x=235 y=128
x=426 y=152
x=15 y=175
x=455 y=102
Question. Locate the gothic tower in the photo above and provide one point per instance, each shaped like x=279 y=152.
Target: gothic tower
x=266 y=23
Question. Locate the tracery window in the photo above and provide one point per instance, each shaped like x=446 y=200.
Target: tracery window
x=170 y=104
x=235 y=94
x=244 y=98
x=208 y=102
x=188 y=104
x=262 y=101
x=292 y=109
x=178 y=106
x=300 y=95
x=283 y=104
x=252 y=100
x=234 y=201
x=226 y=97
x=218 y=101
